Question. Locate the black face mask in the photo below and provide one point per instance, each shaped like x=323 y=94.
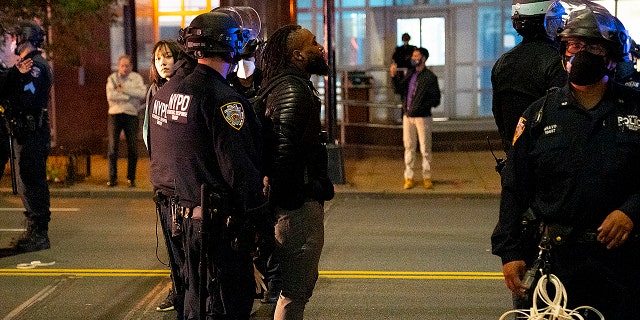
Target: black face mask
x=587 y=68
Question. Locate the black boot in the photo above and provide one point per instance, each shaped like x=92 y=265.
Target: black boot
x=35 y=238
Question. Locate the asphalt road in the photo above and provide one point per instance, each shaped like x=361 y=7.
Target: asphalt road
x=384 y=258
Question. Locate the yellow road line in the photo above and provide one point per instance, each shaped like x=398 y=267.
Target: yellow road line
x=330 y=274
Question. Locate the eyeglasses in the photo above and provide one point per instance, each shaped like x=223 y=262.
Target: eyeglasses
x=574 y=47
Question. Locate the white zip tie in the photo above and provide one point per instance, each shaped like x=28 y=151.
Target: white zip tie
x=34 y=264
x=555 y=309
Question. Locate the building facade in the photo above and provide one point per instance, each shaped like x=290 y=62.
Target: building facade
x=464 y=38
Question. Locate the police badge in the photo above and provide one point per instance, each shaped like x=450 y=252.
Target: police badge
x=234 y=114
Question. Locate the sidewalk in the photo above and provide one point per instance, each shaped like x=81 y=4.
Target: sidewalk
x=469 y=174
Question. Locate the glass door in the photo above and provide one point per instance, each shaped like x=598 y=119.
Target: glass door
x=429 y=33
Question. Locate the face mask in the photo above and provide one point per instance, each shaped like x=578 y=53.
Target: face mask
x=245 y=68
x=586 y=68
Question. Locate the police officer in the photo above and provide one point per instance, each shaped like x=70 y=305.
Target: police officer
x=163 y=178
x=28 y=95
x=247 y=78
x=526 y=72
x=574 y=162
x=7 y=59
x=6 y=53
x=216 y=146
x=627 y=74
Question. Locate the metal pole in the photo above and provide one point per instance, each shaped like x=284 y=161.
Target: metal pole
x=330 y=83
x=336 y=161
x=130 y=39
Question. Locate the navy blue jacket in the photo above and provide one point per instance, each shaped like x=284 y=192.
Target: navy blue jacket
x=161 y=144
x=521 y=76
x=571 y=167
x=216 y=140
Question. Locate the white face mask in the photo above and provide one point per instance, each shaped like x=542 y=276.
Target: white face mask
x=245 y=68
x=13 y=46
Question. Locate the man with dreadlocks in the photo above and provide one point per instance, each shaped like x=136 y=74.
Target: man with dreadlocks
x=297 y=168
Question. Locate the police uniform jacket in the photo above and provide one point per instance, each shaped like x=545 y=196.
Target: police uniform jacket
x=427 y=93
x=29 y=92
x=571 y=166
x=215 y=138
x=298 y=168
x=160 y=143
x=521 y=76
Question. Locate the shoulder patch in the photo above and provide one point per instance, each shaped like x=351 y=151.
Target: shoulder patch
x=519 y=130
x=35 y=72
x=233 y=113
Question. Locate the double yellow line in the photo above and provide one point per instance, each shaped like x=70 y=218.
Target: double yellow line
x=44 y=272
x=356 y=274
x=464 y=275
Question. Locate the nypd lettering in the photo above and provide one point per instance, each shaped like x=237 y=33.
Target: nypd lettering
x=178 y=107
x=632 y=84
x=630 y=122
x=233 y=113
x=552 y=128
x=159 y=112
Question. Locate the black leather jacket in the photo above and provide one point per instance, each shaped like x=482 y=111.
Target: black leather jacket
x=298 y=168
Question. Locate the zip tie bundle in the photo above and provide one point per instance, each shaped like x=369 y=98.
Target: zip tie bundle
x=34 y=264
x=555 y=309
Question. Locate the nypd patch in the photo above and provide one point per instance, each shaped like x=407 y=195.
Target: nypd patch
x=233 y=113
x=35 y=72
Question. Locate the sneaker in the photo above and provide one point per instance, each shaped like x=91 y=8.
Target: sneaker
x=408 y=184
x=428 y=184
x=36 y=241
x=112 y=184
x=132 y=183
x=167 y=304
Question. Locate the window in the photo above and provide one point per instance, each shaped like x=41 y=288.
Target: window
x=431 y=36
x=350 y=42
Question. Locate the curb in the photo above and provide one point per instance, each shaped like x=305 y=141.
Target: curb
x=339 y=194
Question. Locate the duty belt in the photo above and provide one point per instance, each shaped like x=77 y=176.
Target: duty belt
x=191 y=213
x=592 y=237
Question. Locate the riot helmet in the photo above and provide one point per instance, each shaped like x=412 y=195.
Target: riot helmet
x=29 y=31
x=213 y=34
x=527 y=17
x=558 y=14
x=248 y=19
x=596 y=24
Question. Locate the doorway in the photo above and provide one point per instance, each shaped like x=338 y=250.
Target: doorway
x=428 y=32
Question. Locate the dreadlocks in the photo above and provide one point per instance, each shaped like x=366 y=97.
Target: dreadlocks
x=277 y=52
